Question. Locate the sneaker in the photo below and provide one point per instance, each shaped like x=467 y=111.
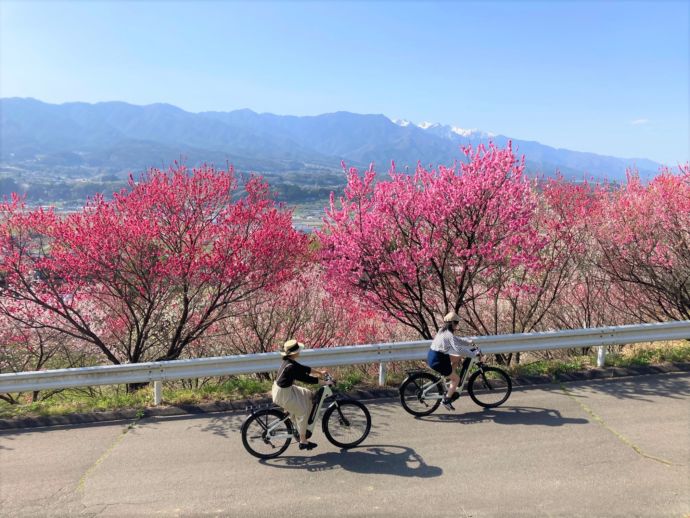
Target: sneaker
x=455 y=396
x=309 y=446
x=447 y=403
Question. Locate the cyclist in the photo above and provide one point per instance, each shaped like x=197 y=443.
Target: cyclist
x=445 y=352
x=296 y=400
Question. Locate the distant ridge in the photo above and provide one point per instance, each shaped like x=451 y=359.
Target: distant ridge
x=82 y=140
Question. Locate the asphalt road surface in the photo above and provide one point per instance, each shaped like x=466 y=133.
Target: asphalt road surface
x=600 y=448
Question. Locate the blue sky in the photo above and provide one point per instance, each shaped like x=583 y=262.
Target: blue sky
x=606 y=77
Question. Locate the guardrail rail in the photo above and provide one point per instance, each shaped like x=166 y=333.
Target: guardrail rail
x=382 y=353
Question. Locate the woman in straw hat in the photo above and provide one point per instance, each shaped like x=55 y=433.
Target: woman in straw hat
x=445 y=352
x=294 y=399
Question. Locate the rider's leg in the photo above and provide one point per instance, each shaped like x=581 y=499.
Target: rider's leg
x=301 y=424
x=297 y=401
x=465 y=365
x=303 y=399
x=454 y=378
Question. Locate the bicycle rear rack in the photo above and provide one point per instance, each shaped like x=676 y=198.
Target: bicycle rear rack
x=250 y=408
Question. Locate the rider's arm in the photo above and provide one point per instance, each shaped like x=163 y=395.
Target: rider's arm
x=303 y=373
x=464 y=347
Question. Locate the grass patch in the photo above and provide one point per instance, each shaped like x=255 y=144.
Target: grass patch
x=349 y=380
x=640 y=355
x=77 y=402
x=235 y=388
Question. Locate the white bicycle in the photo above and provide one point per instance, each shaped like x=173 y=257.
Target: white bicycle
x=421 y=391
x=268 y=431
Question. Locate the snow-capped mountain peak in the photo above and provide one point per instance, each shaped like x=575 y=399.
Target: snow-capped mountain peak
x=463 y=132
x=453 y=132
x=442 y=130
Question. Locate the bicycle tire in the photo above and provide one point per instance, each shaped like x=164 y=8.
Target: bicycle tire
x=346 y=417
x=491 y=381
x=254 y=433
x=411 y=394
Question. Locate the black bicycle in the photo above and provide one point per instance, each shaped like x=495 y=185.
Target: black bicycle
x=268 y=431
x=421 y=391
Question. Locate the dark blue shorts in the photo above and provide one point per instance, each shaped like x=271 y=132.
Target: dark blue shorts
x=440 y=362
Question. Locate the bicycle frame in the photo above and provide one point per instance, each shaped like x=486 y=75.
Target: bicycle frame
x=442 y=380
x=325 y=393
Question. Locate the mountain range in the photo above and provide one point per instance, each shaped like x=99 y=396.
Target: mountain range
x=82 y=140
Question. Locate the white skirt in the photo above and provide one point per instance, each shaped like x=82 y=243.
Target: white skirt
x=296 y=400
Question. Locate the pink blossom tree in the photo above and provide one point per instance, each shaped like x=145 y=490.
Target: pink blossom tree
x=26 y=348
x=587 y=299
x=644 y=235
x=519 y=298
x=144 y=275
x=301 y=308
x=413 y=246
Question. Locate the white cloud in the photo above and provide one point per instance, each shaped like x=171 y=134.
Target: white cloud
x=640 y=122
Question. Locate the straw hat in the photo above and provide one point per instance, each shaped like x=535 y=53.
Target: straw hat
x=291 y=347
x=451 y=317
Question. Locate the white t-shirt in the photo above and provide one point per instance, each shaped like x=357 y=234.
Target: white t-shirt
x=447 y=342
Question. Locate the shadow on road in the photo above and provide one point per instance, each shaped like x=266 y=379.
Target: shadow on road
x=508 y=415
x=372 y=460
x=223 y=425
x=639 y=388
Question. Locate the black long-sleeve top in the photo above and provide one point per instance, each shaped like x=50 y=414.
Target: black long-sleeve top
x=291 y=371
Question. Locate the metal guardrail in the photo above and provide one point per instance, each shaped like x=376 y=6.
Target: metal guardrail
x=347 y=355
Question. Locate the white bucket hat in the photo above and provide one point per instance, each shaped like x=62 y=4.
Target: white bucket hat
x=451 y=317
x=291 y=347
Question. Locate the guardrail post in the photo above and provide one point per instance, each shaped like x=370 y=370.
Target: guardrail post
x=157 y=392
x=601 y=356
x=382 y=374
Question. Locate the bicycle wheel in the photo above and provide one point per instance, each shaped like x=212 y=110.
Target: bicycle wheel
x=413 y=397
x=489 y=387
x=346 y=423
x=266 y=433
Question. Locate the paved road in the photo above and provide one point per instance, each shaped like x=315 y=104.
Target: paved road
x=607 y=448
